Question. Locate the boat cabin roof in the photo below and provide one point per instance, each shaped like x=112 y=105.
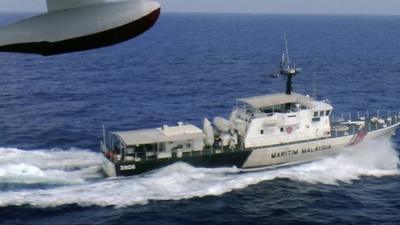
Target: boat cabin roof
x=277 y=99
x=159 y=135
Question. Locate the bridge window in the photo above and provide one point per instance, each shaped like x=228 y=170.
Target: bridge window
x=316 y=119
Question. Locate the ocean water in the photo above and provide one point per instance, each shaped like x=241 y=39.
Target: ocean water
x=187 y=67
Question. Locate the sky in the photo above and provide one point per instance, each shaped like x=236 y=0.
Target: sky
x=378 y=7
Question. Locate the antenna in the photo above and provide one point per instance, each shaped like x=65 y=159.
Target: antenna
x=289 y=72
x=104 y=136
x=314 y=89
x=286 y=69
x=315 y=85
x=287 y=51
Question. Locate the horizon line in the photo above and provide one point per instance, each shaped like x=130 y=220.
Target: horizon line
x=243 y=13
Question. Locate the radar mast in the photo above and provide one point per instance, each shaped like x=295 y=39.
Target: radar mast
x=287 y=69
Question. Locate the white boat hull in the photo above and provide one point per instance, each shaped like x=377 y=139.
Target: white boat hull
x=307 y=151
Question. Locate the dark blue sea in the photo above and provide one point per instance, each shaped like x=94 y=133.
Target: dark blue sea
x=187 y=67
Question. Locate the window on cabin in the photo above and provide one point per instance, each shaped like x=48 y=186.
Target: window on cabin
x=130 y=151
x=321 y=113
x=177 y=147
x=316 y=114
x=261 y=131
x=162 y=147
x=273 y=109
x=281 y=129
x=328 y=112
x=316 y=119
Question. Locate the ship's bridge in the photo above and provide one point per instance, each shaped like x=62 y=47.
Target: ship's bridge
x=281 y=118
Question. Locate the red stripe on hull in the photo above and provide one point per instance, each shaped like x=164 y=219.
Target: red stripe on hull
x=359 y=137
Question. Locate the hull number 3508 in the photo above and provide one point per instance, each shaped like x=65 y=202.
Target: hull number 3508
x=127 y=167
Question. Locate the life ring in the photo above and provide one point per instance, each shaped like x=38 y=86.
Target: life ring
x=289 y=130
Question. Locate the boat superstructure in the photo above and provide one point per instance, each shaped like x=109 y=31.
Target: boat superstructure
x=281 y=118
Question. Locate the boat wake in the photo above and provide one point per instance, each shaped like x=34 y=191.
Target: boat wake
x=77 y=168
x=48 y=167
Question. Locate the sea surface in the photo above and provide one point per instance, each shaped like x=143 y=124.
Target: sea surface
x=186 y=68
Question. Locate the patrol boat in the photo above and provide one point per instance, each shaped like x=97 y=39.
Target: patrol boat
x=263 y=131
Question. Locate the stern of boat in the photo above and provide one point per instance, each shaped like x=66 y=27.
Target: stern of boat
x=108 y=167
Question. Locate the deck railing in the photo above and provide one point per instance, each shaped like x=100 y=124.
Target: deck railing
x=362 y=115
x=373 y=121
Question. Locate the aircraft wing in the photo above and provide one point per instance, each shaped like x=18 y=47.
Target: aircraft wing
x=77 y=25
x=53 y=5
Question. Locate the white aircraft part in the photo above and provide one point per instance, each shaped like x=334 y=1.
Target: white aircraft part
x=80 y=22
x=66 y=24
x=53 y=5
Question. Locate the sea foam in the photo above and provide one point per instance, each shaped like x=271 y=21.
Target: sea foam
x=54 y=166
x=181 y=181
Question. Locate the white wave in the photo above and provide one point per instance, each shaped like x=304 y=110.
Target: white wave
x=54 y=166
x=181 y=181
